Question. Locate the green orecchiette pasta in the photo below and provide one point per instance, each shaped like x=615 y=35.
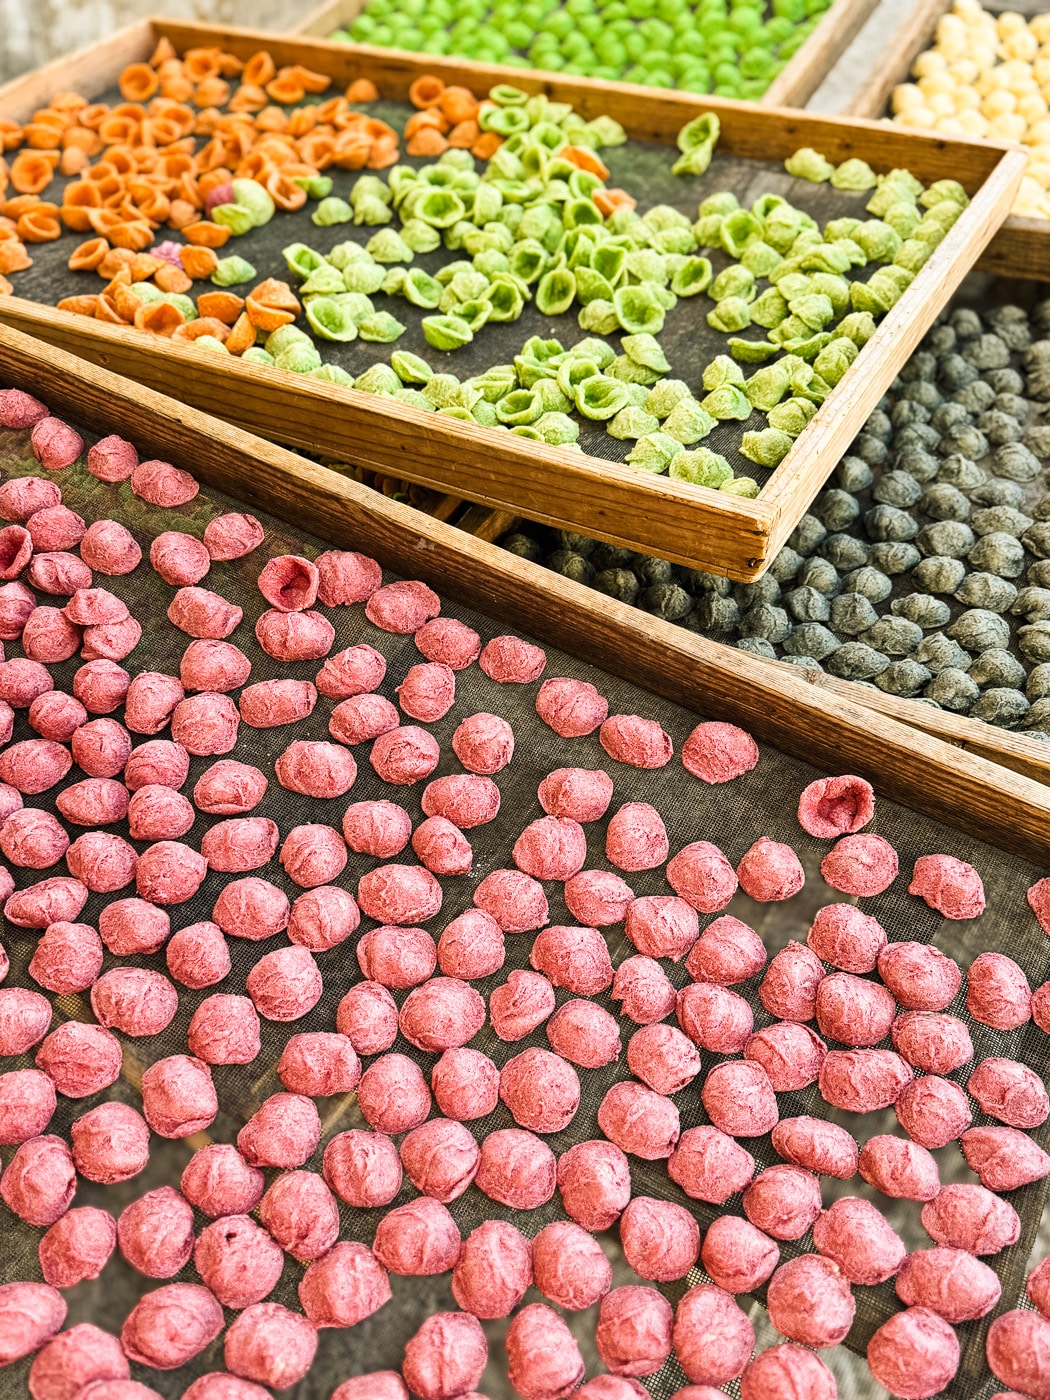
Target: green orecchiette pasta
x=726 y=402
x=446 y=332
x=692 y=277
x=232 y=271
x=729 y=315
x=853 y=174
x=654 y=452
x=380 y=327
x=331 y=319
x=637 y=309
x=332 y=210
x=768 y=448
x=808 y=164
x=600 y=398
x=767 y=386
x=409 y=368
x=688 y=422
x=722 y=370
x=664 y=396
x=702 y=467
x=632 y=422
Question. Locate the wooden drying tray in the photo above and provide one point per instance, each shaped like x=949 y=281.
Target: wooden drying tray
x=777 y=704
x=679 y=521
x=793 y=86
x=1021 y=248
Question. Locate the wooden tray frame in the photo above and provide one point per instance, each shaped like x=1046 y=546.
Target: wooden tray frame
x=793 y=86
x=1021 y=248
x=688 y=524
x=776 y=703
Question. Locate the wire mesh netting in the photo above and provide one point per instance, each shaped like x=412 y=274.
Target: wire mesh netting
x=642 y=168
x=762 y=803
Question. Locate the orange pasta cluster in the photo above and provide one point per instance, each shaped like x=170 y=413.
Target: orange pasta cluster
x=139 y=166
x=447 y=117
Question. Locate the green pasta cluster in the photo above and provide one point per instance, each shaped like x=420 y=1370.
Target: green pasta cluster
x=731 y=47
x=534 y=226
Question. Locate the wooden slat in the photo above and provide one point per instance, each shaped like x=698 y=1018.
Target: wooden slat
x=804 y=72
x=893 y=64
x=782 y=709
x=793 y=86
x=610 y=501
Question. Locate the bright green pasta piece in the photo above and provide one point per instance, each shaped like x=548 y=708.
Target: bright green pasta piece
x=637 y=309
x=722 y=370
x=380 y=327
x=878 y=241
x=371 y=213
x=751 y=352
x=692 y=277
x=521 y=406
x=631 y=372
x=365 y=278
x=284 y=336
x=235 y=217
x=526 y=430
x=600 y=397
x=814 y=310
x=854 y=174
x=496 y=382
x=301 y=260
x=769 y=309
x=557 y=429
x=760 y=258
x=912 y=254
x=768 y=447
x=607 y=131
x=333 y=374
x=808 y=164
x=420 y=289
x=745 y=486
x=211 y=342
x=442 y=390
x=835 y=359
x=632 y=422
x=332 y=210
x=387 y=246
x=708 y=230
x=729 y=315
x=808 y=347
x=733 y=281
x=697 y=141
x=645 y=350
x=827 y=257
x=767 y=386
x=591 y=348
x=654 y=452
x=378 y=379
x=325 y=281
x=438 y=208
x=409 y=368
x=859 y=327
x=701 y=467
x=484 y=413
x=675 y=242
x=738 y=230
x=146 y=292
x=446 y=332
x=728 y=401
x=723 y=202
x=592 y=286
x=420 y=237
x=781 y=227
x=556 y=292
x=944 y=189
x=300 y=358
x=551 y=396
x=348 y=252
x=834 y=287
x=528 y=260
x=250 y=195
x=330 y=319
x=792 y=416
x=664 y=396
x=663 y=296
x=845 y=227
x=316 y=186
x=688 y=422
x=574 y=371
x=646 y=265
x=505 y=297
x=256 y=355
x=462 y=415
x=232 y=271
x=601 y=317
x=475 y=312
